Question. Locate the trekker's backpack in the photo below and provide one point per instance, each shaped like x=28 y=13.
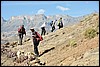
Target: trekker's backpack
x=21 y=30
x=40 y=37
x=51 y=23
x=61 y=24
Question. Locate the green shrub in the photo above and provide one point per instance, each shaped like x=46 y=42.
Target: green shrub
x=72 y=43
x=90 y=33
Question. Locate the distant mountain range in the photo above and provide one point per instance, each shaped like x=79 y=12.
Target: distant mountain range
x=34 y=21
x=10 y=26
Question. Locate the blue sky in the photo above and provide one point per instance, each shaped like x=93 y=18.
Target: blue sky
x=72 y=8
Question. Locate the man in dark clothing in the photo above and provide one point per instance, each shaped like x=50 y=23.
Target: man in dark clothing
x=53 y=25
x=21 y=32
x=36 y=39
x=43 y=31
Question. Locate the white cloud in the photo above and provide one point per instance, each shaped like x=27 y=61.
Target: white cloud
x=62 y=8
x=87 y=2
x=41 y=11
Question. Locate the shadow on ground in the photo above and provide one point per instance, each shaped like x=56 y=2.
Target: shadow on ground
x=47 y=51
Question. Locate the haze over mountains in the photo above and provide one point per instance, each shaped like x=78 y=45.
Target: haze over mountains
x=34 y=21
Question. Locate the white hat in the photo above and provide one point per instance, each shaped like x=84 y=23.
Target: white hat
x=31 y=28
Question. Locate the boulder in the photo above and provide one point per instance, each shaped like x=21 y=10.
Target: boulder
x=14 y=43
x=7 y=43
x=11 y=54
x=27 y=40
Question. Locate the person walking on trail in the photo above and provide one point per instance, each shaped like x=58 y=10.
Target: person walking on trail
x=21 y=32
x=52 y=24
x=36 y=39
x=60 y=23
x=43 y=29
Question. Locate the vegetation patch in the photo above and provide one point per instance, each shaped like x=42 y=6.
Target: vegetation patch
x=90 y=33
x=72 y=43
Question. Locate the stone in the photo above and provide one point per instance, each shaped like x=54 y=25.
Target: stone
x=7 y=43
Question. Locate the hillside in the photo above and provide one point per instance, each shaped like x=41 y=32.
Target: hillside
x=9 y=27
x=75 y=45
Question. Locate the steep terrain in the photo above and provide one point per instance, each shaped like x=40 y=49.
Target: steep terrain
x=69 y=46
x=9 y=27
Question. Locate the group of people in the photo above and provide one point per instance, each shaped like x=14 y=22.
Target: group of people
x=60 y=24
x=52 y=24
x=35 y=35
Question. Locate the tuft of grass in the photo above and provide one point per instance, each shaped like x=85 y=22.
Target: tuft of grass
x=72 y=43
x=90 y=33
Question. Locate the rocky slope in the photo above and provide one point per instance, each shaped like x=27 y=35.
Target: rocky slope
x=68 y=46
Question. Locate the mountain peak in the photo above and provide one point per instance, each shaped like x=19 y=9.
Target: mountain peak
x=3 y=20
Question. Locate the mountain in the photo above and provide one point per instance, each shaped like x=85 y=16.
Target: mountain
x=73 y=45
x=3 y=21
x=34 y=21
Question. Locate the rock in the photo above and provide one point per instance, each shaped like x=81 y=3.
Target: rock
x=56 y=35
x=31 y=63
x=31 y=58
x=11 y=54
x=63 y=32
x=7 y=46
x=18 y=53
x=20 y=59
x=37 y=61
x=42 y=63
x=30 y=55
x=14 y=58
x=3 y=50
x=37 y=64
x=25 y=57
x=13 y=43
x=27 y=40
x=7 y=43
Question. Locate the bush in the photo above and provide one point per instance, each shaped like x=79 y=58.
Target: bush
x=90 y=33
x=72 y=43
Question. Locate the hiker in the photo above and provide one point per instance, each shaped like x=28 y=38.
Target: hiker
x=21 y=32
x=60 y=23
x=36 y=39
x=43 y=29
x=52 y=24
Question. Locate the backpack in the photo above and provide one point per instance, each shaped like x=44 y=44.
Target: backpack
x=40 y=37
x=21 y=30
x=51 y=23
x=61 y=24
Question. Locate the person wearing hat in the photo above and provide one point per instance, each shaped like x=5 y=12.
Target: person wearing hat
x=36 y=39
x=60 y=23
